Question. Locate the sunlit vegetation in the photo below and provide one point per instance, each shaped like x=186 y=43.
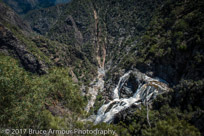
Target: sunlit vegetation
x=163 y=37
x=25 y=97
x=172 y=44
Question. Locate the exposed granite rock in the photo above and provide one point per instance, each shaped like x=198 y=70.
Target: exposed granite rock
x=16 y=48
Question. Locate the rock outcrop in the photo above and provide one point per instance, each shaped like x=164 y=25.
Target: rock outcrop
x=10 y=45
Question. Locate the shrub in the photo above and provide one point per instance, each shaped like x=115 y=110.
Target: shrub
x=24 y=95
x=172 y=127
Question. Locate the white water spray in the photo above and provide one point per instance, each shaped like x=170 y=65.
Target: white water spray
x=121 y=82
x=148 y=89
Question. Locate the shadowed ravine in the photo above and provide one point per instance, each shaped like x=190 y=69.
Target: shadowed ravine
x=148 y=88
x=98 y=83
x=132 y=68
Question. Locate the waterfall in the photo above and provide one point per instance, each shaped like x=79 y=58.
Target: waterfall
x=120 y=84
x=147 y=90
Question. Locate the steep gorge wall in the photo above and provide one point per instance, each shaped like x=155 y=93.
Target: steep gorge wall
x=157 y=37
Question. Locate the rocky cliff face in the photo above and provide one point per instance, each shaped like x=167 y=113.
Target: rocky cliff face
x=36 y=53
x=161 y=39
x=171 y=49
x=89 y=25
x=11 y=45
x=156 y=37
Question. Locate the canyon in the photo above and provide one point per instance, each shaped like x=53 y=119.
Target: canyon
x=132 y=66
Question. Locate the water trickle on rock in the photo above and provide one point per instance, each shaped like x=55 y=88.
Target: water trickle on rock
x=96 y=86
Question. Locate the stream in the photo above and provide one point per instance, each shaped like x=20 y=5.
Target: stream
x=123 y=97
x=147 y=90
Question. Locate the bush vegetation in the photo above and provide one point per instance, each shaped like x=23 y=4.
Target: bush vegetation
x=24 y=96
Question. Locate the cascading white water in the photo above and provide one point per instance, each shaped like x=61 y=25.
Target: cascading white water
x=148 y=89
x=120 y=84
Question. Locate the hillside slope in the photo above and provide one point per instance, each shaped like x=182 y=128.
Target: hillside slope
x=36 y=53
x=172 y=49
x=40 y=79
x=23 y=6
x=143 y=48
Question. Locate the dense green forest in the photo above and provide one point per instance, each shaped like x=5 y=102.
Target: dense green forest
x=49 y=59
